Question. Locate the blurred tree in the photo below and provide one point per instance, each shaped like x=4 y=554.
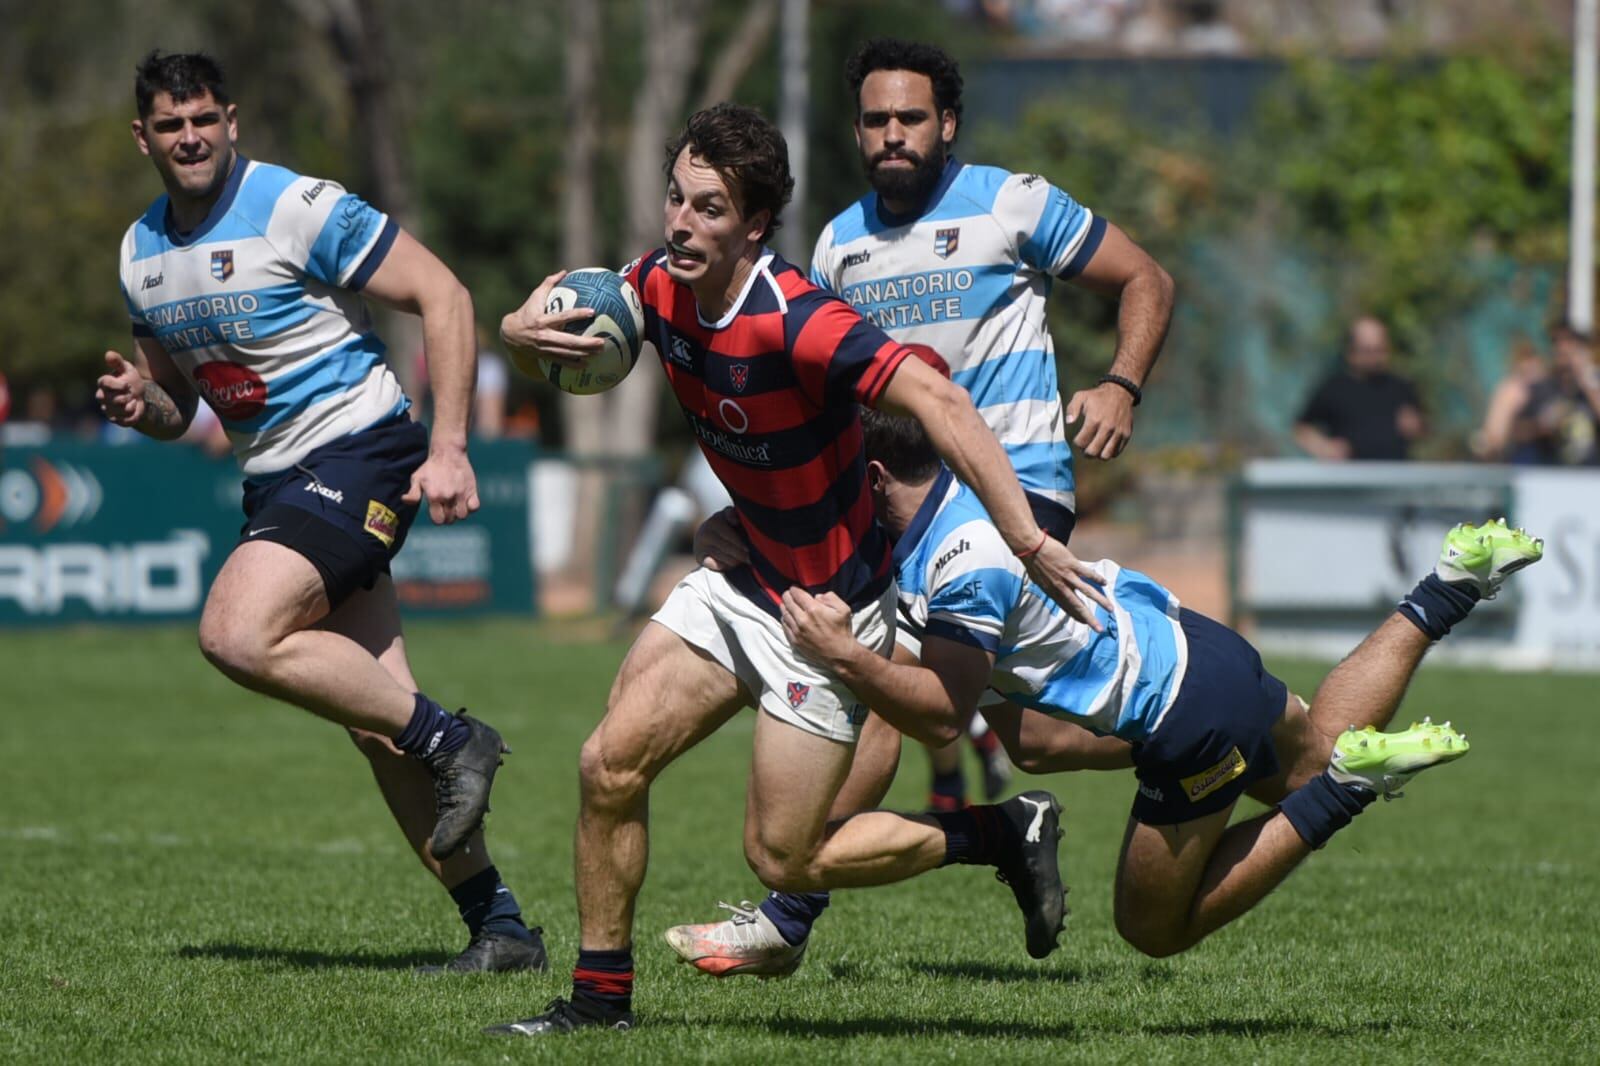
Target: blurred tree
x=1409 y=184
x=1408 y=188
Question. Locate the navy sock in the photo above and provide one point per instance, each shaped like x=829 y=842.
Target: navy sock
x=486 y=904
x=1322 y=806
x=602 y=982
x=951 y=785
x=794 y=913
x=432 y=730
x=972 y=836
x=1436 y=605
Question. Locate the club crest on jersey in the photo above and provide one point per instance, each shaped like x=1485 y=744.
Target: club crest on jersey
x=222 y=264
x=798 y=694
x=740 y=373
x=946 y=241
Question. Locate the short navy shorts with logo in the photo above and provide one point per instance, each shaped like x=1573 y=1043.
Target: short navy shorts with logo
x=1216 y=739
x=340 y=506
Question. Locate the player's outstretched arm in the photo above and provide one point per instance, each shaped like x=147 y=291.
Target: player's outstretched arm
x=1144 y=291
x=531 y=333
x=414 y=280
x=966 y=444
x=931 y=703
x=149 y=394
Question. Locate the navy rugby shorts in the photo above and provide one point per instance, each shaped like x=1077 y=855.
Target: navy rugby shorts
x=340 y=506
x=1216 y=739
x=1054 y=518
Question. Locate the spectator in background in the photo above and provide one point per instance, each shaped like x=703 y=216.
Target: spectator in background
x=1558 y=422
x=1505 y=436
x=489 y=395
x=1363 y=411
x=489 y=403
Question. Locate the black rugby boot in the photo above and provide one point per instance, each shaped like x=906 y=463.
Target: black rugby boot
x=461 y=782
x=1028 y=864
x=497 y=953
x=562 y=1017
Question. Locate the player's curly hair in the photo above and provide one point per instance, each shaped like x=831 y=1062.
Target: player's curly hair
x=182 y=76
x=747 y=150
x=891 y=53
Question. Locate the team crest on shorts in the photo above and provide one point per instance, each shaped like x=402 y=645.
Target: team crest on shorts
x=946 y=241
x=382 y=523
x=222 y=264
x=740 y=373
x=798 y=694
x=1208 y=781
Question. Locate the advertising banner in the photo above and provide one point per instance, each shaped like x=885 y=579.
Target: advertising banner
x=90 y=532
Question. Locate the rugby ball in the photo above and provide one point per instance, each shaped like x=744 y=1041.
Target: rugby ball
x=618 y=320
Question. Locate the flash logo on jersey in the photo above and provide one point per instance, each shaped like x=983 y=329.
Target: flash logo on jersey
x=222 y=264
x=946 y=241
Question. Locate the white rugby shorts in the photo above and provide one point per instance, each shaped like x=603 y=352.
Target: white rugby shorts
x=749 y=643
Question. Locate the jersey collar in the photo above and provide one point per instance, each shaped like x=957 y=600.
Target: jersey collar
x=218 y=209
x=952 y=167
x=920 y=521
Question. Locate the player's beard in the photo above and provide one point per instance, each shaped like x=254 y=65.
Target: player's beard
x=912 y=186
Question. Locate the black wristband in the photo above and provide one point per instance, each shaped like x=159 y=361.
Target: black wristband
x=1119 y=380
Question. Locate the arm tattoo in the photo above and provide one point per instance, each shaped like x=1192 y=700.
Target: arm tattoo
x=161 y=413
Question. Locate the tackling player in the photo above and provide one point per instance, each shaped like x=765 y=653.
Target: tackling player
x=244 y=285
x=961 y=258
x=1208 y=724
x=769 y=371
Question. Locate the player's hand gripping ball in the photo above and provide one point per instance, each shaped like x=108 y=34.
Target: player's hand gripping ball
x=618 y=320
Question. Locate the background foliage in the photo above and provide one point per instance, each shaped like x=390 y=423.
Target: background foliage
x=1428 y=190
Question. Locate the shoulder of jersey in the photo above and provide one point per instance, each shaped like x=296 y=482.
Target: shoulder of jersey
x=967 y=510
x=982 y=186
x=267 y=185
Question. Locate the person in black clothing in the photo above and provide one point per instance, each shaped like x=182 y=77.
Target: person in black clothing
x=1363 y=410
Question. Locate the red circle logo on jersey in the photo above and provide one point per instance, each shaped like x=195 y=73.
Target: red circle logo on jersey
x=233 y=391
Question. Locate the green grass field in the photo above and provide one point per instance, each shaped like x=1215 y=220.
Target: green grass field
x=189 y=873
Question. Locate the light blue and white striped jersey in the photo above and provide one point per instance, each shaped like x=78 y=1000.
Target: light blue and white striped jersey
x=969 y=277
x=260 y=307
x=958 y=580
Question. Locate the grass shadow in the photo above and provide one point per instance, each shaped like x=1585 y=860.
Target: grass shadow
x=313 y=960
x=1006 y=971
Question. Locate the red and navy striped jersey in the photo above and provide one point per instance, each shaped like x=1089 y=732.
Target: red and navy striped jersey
x=771 y=392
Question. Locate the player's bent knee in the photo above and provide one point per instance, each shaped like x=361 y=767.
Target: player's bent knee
x=1152 y=940
x=783 y=873
x=232 y=649
x=605 y=784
